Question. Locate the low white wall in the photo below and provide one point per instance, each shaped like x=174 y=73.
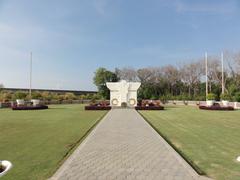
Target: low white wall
x=196 y=103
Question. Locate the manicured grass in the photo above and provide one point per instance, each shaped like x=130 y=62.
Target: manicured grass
x=37 y=142
x=210 y=139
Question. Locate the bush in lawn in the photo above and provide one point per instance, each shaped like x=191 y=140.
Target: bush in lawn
x=225 y=97
x=211 y=97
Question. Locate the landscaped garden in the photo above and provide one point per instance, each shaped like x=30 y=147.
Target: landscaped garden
x=210 y=140
x=37 y=142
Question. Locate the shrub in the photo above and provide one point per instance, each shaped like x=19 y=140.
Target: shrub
x=225 y=97
x=36 y=95
x=20 y=95
x=46 y=95
x=237 y=97
x=211 y=96
x=69 y=96
x=5 y=96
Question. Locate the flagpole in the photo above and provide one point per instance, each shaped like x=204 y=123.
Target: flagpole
x=30 y=88
x=222 y=74
x=206 y=68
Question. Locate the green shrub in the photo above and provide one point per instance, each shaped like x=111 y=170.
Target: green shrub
x=36 y=95
x=20 y=95
x=225 y=97
x=237 y=97
x=211 y=96
x=69 y=96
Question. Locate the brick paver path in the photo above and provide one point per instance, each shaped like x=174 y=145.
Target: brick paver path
x=124 y=146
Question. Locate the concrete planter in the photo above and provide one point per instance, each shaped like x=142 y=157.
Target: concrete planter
x=20 y=101
x=7 y=165
x=35 y=102
x=225 y=103
x=210 y=102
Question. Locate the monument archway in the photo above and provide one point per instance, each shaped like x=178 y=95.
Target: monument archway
x=123 y=92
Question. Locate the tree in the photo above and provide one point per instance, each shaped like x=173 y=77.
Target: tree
x=191 y=75
x=69 y=96
x=101 y=77
x=46 y=95
x=20 y=95
x=127 y=73
x=36 y=95
x=5 y=96
x=172 y=76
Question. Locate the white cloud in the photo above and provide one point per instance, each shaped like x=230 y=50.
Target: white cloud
x=216 y=7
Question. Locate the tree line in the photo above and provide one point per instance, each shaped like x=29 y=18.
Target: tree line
x=185 y=81
x=7 y=96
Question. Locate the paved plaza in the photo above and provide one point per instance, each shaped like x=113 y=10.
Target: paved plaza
x=125 y=146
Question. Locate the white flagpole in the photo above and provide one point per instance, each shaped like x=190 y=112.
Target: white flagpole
x=222 y=74
x=30 y=88
x=206 y=68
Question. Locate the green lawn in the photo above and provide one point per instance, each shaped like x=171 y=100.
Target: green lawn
x=37 y=142
x=211 y=139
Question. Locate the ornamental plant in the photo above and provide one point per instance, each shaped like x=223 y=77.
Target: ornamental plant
x=20 y=95
x=225 y=97
x=211 y=97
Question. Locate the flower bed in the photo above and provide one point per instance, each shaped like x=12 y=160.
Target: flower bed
x=149 y=105
x=40 y=107
x=219 y=108
x=99 y=106
x=93 y=108
x=149 y=108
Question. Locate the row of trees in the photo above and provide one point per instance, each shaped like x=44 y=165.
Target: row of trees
x=6 y=96
x=183 y=82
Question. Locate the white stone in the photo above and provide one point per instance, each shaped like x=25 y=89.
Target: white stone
x=20 y=102
x=238 y=158
x=35 y=102
x=225 y=103
x=7 y=165
x=210 y=102
x=123 y=92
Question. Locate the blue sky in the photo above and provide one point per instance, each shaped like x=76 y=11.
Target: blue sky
x=71 y=38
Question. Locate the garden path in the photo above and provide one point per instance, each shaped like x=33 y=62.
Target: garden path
x=125 y=146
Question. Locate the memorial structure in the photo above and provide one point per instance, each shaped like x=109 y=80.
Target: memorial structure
x=123 y=93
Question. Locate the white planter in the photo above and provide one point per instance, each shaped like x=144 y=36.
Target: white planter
x=35 y=102
x=225 y=103
x=210 y=102
x=7 y=166
x=20 y=101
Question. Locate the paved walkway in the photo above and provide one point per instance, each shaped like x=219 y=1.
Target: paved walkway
x=124 y=146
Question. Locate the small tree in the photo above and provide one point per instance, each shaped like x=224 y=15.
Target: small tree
x=36 y=95
x=20 y=95
x=237 y=97
x=5 y=96
x=225 y=97
x=102 y=76
x=69 y=96
x=211 y=96
x=46 y=95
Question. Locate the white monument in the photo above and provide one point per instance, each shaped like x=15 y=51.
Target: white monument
x=123 y=92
